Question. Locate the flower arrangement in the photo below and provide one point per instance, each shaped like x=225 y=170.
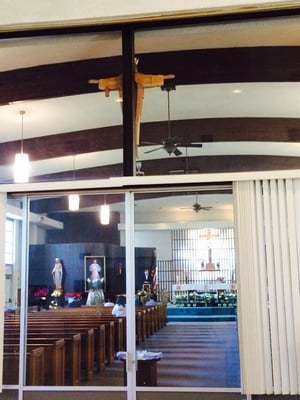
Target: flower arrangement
x=41 y=292
x=56 y=293
x=73 y=294
x=142 y=294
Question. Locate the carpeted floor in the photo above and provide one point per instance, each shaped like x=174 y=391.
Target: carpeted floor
x=197 y=354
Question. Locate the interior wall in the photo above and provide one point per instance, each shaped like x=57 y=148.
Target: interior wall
x=69 y=12
x=37 y=234
x=90 y=228
x=160 y=240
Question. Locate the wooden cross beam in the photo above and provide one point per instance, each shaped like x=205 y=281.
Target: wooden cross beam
x=209 y=235
x=210 y=266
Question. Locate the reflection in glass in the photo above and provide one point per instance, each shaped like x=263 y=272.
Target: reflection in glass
x=12 y=299
x=230 y=110
x=72 y=338
x=191 y=281
x=64 y=117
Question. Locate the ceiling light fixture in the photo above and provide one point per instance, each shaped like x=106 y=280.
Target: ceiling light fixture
x=139 y=171
x=74 y=199
x=21 y=165
x=104 y=213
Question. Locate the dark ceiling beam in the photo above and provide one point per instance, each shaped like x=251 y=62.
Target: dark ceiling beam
x=59 y=145
x=225 y=129
x=199 y=130
x=244 y=64
x=56 y=80
x=268 y=64
x=183 y=165
x=190 y=67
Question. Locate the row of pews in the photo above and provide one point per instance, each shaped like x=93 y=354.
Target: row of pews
x=69 y=345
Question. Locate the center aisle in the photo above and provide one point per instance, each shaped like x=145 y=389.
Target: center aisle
x=202 y=354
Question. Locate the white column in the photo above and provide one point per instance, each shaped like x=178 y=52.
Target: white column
x=2 y=275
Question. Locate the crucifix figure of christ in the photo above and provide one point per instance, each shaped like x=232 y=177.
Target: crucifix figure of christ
x=142 y=81
x=210 y=266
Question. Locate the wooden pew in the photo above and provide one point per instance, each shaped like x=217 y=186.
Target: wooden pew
x=73 y=361
x=39 y=327
x=36 y=370
x=97 y=349
x=113 y=330
x=86 y=349
x=66 y=359
x=35 y=366
x=54 y=356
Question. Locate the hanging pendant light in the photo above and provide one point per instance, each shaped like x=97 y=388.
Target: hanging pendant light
x=74 y=199
x=104 y=213
x=21 y=165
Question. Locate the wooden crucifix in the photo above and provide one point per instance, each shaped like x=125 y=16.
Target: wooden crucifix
x=210 y=266
x=142 y=81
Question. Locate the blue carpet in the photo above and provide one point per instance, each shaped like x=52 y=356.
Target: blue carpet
x=201 y=314
x=197 y=354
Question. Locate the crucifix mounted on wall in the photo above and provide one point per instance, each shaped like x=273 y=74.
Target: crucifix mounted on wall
x=142 y=81
x=209 y=266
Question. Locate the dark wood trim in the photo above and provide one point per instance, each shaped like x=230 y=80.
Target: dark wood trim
x=129 y=101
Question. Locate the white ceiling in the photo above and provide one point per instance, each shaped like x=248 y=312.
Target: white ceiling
x=74 y=113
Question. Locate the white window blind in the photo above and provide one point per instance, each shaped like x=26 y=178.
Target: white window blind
x=268 y=279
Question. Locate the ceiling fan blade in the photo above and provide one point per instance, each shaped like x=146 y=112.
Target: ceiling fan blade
x=150 y=143
x=177 y=152
x=151 y=151
x=196 y=209
x=195 y=144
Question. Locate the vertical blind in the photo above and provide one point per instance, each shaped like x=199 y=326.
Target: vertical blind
x=266 y=222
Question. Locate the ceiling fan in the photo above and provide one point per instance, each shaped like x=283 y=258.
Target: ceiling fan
x=171 y=144
x=196 y=207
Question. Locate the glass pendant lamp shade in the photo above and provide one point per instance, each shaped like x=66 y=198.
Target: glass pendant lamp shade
x=74 y=199
x=104 y=214
x=21 y=168
x=21 y=165
x=74 y=202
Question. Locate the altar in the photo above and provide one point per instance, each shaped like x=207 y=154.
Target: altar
x=182 y=288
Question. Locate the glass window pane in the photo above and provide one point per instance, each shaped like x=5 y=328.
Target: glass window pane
x=54 y=108
x=225 y=111
x=12 y=296
x=9 y=242
x=76 y=273
x=191 y=278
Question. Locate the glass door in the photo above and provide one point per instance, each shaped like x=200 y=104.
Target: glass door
x=75 y=274
x=186 y=291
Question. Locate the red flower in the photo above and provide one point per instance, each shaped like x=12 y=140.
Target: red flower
x=41 y=292
x=73 y=294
